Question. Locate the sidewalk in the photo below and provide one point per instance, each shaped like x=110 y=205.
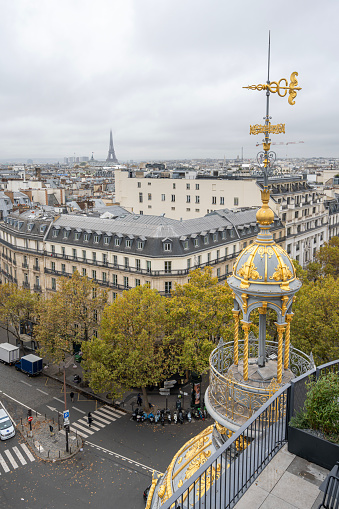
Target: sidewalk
x=46 y=444
x=128 y=400
x=288 y=482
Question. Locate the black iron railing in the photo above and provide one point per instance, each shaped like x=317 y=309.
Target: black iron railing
x=222 y=480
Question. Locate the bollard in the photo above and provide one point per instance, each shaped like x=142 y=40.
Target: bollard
x=59 y=454
x=48 y=454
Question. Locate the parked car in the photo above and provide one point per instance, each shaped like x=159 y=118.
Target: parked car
x=7 y=429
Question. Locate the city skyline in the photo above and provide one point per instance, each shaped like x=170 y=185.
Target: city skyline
x=166 y=77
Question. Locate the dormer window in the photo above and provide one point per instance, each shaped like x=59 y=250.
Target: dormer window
x=167 y=246
x=96 y=239
x=30 y=227
x=140 y=244
x=117 y=241
x=186 y=244
x=223 y=235
x=128 y=243
x=106 y=240
x=86 y=236
x=77 y=236
x=215 y=237
x=43 y=228
x=196 y=242
x=206 y=239
x=55 y=233
x=66 y=233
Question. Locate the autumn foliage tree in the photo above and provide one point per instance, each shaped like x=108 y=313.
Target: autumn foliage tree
x=69 y=316
x=131 y=351
x=17 y=306
x=315 y=324
x=199 y=314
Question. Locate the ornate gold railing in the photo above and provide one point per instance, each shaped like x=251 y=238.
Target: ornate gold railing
x=236 y=400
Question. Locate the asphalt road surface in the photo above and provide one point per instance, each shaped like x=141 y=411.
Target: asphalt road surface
x=114 y=467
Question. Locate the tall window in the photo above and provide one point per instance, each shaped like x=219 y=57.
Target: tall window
x=63 y=268
x=74 y=254
x=163 y=197
x=188 y=198
x=168 y=267
x=125 y=282
x=137 y=282
x=173 y=197
x=140 y=198
x=236 y=201
x=137 y=264
x=53 y=283
x=115 y=280
x=115 y=260
x=148 y=266
x=167 y=246
x=168 y=286
x=104 y=277
x=94 y=274
x=126 y=262
x=84 y=272
x=197 y=199
x=222 y=200
x=214 y=200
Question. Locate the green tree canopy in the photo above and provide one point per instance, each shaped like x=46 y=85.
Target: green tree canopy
x=69 y=316
x=199 y=313
x=17 y=305
x=315 y=325
x=328 y=257
x=132 y=351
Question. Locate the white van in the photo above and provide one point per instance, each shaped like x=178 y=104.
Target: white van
x=7 y=429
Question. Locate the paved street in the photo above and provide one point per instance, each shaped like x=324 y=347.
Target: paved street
x=114 y=467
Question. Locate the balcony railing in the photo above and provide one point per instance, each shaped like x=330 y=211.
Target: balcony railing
x=232 y=398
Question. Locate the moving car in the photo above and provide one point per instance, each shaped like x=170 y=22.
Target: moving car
x=7 y=429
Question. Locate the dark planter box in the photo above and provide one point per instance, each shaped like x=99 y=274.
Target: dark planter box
x=312 y=448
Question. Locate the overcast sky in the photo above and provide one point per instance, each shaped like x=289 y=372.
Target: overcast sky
x=166 y=76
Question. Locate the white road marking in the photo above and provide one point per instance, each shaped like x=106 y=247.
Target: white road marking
x=82 y=428
x=78 y=410
x=3 y=464
x=100 y=418
x=109 y=413
x=11 y=459
x=28 y=452
x=60 y=401
x=104 y=414
x=43 y=392
x=97 y=423
x=26 y=383
x=122 y=457
x=19 y=402
x=20 y=456
x=85 y=422
x=115 y=410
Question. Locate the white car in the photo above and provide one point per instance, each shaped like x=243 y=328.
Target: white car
x=7 y=429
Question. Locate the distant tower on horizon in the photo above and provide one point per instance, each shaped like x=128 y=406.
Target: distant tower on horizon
x=111 y=158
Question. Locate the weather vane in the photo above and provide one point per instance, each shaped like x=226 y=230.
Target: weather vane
x=281 y=87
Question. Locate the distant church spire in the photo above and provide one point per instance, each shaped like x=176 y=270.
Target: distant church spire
x=111 y=158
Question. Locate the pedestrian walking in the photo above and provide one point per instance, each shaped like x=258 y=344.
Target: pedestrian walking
x=72 y=396
x=89 y=419
x=139 y=400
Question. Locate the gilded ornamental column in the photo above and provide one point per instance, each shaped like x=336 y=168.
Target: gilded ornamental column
x=246 y=328
x=287 y=340
x=280 y=329
x=236 y=336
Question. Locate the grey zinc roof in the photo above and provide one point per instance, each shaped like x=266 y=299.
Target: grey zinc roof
x=158 y=226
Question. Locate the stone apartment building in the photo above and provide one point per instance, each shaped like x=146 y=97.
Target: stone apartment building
x=122 y=252
x=300 y=207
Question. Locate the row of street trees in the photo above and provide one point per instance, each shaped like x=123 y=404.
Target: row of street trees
x=143 y=337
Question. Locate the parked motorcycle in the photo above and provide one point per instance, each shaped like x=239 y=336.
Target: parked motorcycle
x=181 y=417
x=151 y=417
x=175 y=417
x=157 y=417
x=189 y=416
x=162 y=418
x=169 y=416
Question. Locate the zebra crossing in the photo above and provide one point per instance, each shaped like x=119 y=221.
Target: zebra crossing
x=101 y=418
x=14 y=457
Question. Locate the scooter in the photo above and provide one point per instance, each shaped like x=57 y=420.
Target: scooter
x=189 y=416
x=134 y=414
x=77 y=379
x=175 y=417
x=151 y=417
x=162 y=418
x=181 y=417
x=169 y=416
x=157 y=417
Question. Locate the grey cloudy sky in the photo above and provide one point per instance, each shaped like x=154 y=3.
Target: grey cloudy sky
x=165 y=75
